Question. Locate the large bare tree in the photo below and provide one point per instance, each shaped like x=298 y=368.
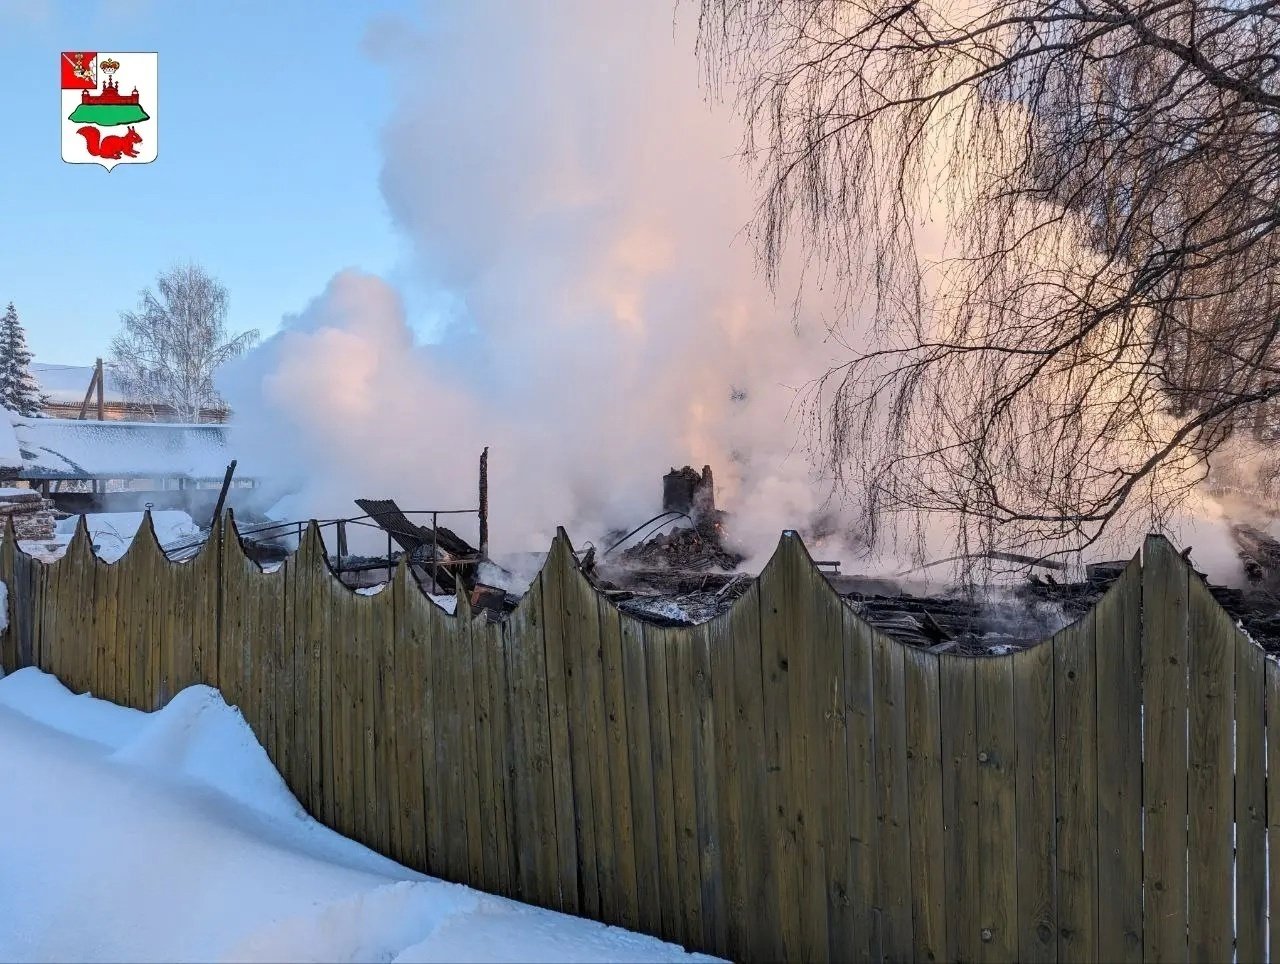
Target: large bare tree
x=169 y=349
x=1099 y=316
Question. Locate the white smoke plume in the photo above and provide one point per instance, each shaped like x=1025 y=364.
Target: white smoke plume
x=562 y=176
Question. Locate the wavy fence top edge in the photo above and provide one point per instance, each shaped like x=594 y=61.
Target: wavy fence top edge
x=789 y=580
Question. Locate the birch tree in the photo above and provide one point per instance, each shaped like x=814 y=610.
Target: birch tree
x=169 y=349
x=1100 y=323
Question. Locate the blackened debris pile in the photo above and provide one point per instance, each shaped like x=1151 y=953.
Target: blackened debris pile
x=682 y=576
x=1260 y=555
x=696 y=547
x=977 y=625
x=689 y=548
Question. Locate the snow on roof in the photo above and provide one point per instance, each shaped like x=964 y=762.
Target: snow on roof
x=61 y=448
x=68 y=383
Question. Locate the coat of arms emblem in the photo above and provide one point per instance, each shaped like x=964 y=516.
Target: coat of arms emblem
x=108 y=108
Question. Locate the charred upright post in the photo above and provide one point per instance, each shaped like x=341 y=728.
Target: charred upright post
x=484 y=504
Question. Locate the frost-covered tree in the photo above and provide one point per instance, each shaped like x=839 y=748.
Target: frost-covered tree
x=170 y=348
x=19 y=390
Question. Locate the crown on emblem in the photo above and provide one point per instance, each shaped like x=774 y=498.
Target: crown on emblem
x=110 y=65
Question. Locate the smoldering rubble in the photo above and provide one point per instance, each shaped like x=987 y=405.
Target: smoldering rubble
x=679 y=569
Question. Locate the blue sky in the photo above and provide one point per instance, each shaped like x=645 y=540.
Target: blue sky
x=267 y=171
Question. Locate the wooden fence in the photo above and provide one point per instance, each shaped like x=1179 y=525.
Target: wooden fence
x=782 y=782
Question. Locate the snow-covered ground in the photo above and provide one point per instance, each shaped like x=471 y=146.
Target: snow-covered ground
x=113 y=532
x=170 y=836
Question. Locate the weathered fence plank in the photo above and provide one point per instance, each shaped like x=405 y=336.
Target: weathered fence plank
x=450 y=751
x=1210 y=760
x=640 y=772
x=408 y=670
x=1036 y=804
x=656 y=651
x=924 y=794
x=762 y=932
x=774 y=586
x=815 y=645
x=998 y=762
x=1118 y=651
x=1272 y=673
x=708 y=791
x=860 y=806
x=109 y=682
x=957 y=687
x=683 y=720
x=584 y=674
x=616 y=737
x=576 y=857
x=9 y=638
x=467 y=804
x=1250 y=802
x=889 y=719
x=1164 y=784
x=1076 y=738
x=727 y=757
x=534 y=805
x=488 y=819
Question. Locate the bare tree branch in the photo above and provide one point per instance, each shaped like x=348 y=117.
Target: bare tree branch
x=1099 y=317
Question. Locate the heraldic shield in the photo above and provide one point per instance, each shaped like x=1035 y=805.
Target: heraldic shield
x=109 y=106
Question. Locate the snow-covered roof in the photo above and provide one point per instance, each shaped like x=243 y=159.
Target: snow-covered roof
x=68 y=383
x=61 y=448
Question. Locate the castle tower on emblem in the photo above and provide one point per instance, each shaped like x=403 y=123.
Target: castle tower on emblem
x=101 y=122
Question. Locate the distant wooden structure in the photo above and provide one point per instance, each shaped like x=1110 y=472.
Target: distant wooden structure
x=783 y=782
x=92 y=391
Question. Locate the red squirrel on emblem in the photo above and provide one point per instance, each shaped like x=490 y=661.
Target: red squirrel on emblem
x=114 y=147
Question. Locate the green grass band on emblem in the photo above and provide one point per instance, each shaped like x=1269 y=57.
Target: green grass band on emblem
x=108 y=115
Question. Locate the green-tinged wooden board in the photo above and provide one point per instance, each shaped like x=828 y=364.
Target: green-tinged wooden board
x=573 y=835
x=775 y=585
x=889 y=706
x=624 y=881
x=669 y=889
x=957 y=688
x=1210 y=791
x=1118 y=635
x=641 y=774
x=998 y=762
x=1036 y=804
x=1164 y=783
x=1075 y=758
x=1250 y=802
x=860 y=803
x=924 y=796
x=1272 y=673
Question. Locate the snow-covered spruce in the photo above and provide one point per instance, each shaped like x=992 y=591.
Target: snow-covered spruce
x=19 y=390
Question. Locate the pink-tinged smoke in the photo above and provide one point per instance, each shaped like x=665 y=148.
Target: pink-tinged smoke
x=561 y=175
x=566 y=184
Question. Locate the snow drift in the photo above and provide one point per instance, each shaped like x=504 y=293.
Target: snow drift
x=170 y=836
